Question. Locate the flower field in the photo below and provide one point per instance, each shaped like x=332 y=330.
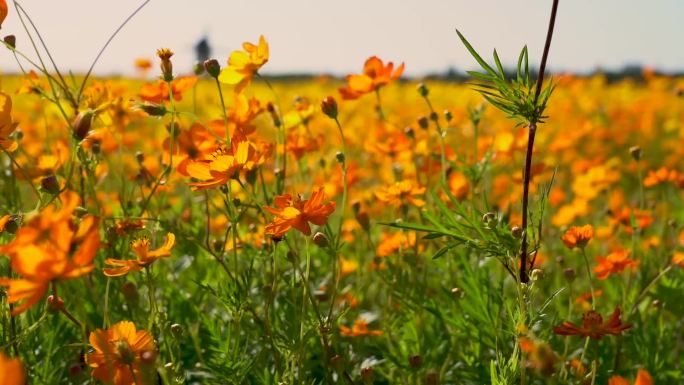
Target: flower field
x=224 y=227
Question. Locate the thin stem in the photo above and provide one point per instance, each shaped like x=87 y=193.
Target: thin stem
x=524 y=278
x=591 y=280
x=223 y=109
x=104 y=47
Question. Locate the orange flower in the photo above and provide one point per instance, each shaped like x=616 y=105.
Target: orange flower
x=678 y=258
x=298 y=213
x=159 y=92
x=243 y=65
x=642 y=378
x=360 y=328
x=224 y=165
x=3 y=11
x=390 y=243
x=11 y=371
x=7 y=126
x=143 y=64
x=146 y=257
x=49 y=248
x=400 y=193
x=615 y=262
x=642 y=219
x=122 y=356
x=375 y=75
x=242 y=114
x=578 y=236
x=660 y=176
x=593 y=326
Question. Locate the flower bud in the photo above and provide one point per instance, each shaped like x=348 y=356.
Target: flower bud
x=11 y=41
x=337 y=362
x=152 y=109
x=50 y=184
x=457 y=292
x=329 y=107
x=363 y=219
x=198 y=68
x=340 y=157
x=13 y=224
x=130 y=292
x=55 y=303
x=367 y=375
x=213 y=67
x=569 y=274
x=422 y=90
x=148 y=357
x=415 y=361
x=166 y=65
x=176 y=330
x=434 y=117
x=408 y=131
x=517 y=231
x=423 y=122
x=448 y=116
x=432 y=378
x=321 y=240
x=635 y=152
x=82 y=124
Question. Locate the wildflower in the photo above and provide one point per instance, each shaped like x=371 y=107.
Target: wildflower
x=613 y=263
x=141 y=248
x=678 y=258
x=593 y=326
x=158 y=92
x=402 y=192
x=642 y=378
x=540 y=355
x=360 y=328
x=50 y=247
x=224 y=165
x=578 y=236
x=297 y=212
x=3 y=11
x=633 y=219
x=662 y=175
x=7 y=126
x=391 y=243
x=242 y=115
x=11 y=370
x=143 y=64
x=243 y=65
x=166 y=65
x=375 y=75
x=121 y=355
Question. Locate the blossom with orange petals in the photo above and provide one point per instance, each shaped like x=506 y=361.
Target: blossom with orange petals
x=578 y=236
x=7 y=125
x=158 y=92
x=224 y=165
x=613 y=263
x=11 y=371
x=297 y=212
x=642 y=378
x=3 y=11
x=243 y=65
x=593 y=326
x=122 y=355
x=360 y=328
x=141 y=248
x=661 y=175
x=375 y=75
x=50 y=247
x=401 y=193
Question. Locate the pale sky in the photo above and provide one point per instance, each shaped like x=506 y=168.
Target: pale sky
x=326 y=36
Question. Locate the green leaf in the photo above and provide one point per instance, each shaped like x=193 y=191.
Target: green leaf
x=474 y=53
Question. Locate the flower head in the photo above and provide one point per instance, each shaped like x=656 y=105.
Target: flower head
x=360 y=328
x=642 y=378
x=11 y=371
x=243 y=65
x=141 y=248
x=3 y=11
x=119 y=355
x=224 y=165
x=375 y=75
x=578 y=236
x=7 y=126
x=613 y=263
x=401 y=193
x=297 y=212
x=593 y=326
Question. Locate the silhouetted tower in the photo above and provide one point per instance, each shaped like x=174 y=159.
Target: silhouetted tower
x=203 y=50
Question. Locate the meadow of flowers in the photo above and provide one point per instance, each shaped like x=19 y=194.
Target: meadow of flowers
x=220 y=227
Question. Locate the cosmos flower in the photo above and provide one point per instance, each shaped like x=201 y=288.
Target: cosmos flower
x=593 y=326
x=613 y=263
x=642 y=378
x=244 y=65
x=578 y=236
x=122 y=355
x=141 y=248
x=375 y=75
x=7 y=125
x=11 y=371
x=297 y=212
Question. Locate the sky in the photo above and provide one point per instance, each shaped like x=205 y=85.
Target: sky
x=335 y=37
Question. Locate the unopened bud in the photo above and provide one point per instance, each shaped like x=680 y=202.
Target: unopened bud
x=423 y=122
x=415 y=361
x=148 y=357
x=82 y=124
x=55 y=303
x=176 y=330
x=13 y=224
x=408 y=131
x=340 y=157
x=569 y=274
x=434 y=117
x=329 y=107
x=517 y=231
x=130 y=292
x=198 y=68
x=448 y=116
x=50 y=184
x=320 y=239
x=11 y=41
x=457 y=292
x=152 y=109
x=422 y=90
x=367 y=375
x=363 y=219
x=166 y=65
x=432 y=378
x=213 y=67
x=635 y=152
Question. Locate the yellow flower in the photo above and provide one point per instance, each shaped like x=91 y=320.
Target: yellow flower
x=243 y=65
x=7 y=126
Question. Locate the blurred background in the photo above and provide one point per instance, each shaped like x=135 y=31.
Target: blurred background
x=333 y=37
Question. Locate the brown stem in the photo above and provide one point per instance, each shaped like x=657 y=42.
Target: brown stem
x=532 y=130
